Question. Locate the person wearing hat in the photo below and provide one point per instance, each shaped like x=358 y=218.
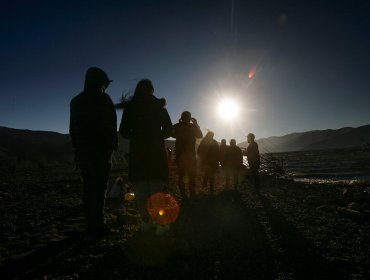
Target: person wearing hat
x=186 y=131
x=253 y=157
x=93 y=129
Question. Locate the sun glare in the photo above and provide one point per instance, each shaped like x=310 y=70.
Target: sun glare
x=228 y=109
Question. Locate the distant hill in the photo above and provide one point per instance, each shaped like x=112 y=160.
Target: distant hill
x=28 y=144
x=315 y=140
x=44 y=145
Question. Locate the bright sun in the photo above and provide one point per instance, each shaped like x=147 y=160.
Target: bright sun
x=228 y=109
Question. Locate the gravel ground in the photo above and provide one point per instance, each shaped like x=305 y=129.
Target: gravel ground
x=289 y=230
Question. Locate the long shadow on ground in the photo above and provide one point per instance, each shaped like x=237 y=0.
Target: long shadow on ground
x=215 y=237
x=231 y=235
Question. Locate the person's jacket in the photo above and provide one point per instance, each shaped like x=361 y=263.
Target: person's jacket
x=146 y=123
x=186 y=134
x=93 y=125
x=209 y=153
x=234 y=157
x=253 y=155
x=223 y=153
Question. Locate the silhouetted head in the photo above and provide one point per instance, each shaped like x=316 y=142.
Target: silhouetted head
x=223 y=142
x=96 y=78
x=144 y=88
x=232 y=142
x=185 y=116
x=209 y=135
x=250 y=137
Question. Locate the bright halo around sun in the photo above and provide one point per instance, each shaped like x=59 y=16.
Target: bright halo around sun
x=228 y=109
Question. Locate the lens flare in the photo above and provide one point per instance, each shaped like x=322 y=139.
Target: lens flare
x=252 y=72
x=163 y=208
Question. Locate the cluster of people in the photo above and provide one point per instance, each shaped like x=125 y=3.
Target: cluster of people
x=146 y=123
x=212 y=156
x=231 y=160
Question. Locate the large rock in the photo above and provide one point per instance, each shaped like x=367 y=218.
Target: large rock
x=351 y=214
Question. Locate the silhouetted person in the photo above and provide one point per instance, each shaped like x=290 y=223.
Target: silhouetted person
x=93 y=128
x=169 y=154
x=233 y=163
x=186 y=132
x=223 y=151
x=208 y=152
x=253 y=157
x=146 y=123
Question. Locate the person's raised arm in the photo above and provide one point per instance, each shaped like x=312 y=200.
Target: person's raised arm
x=198 y=132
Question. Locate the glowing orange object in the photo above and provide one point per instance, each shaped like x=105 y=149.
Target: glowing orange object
x=129 y=196
x=163 y=208
x=252 y=72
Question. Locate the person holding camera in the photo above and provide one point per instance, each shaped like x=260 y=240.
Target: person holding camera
x=186 y=131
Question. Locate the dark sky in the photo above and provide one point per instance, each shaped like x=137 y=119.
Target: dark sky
x=312 y=60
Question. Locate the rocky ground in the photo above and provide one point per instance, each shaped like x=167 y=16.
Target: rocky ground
x=289 y=231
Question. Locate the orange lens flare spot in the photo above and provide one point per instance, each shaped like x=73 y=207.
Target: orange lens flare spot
x=163 y=208
x=252 y=72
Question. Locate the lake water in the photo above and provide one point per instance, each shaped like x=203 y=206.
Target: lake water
x=337 y=165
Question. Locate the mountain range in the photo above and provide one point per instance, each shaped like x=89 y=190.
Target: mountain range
x=315 y=140
x=29 y=144
x=47 y=145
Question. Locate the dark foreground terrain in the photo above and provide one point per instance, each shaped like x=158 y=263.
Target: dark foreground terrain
x=289 y=231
